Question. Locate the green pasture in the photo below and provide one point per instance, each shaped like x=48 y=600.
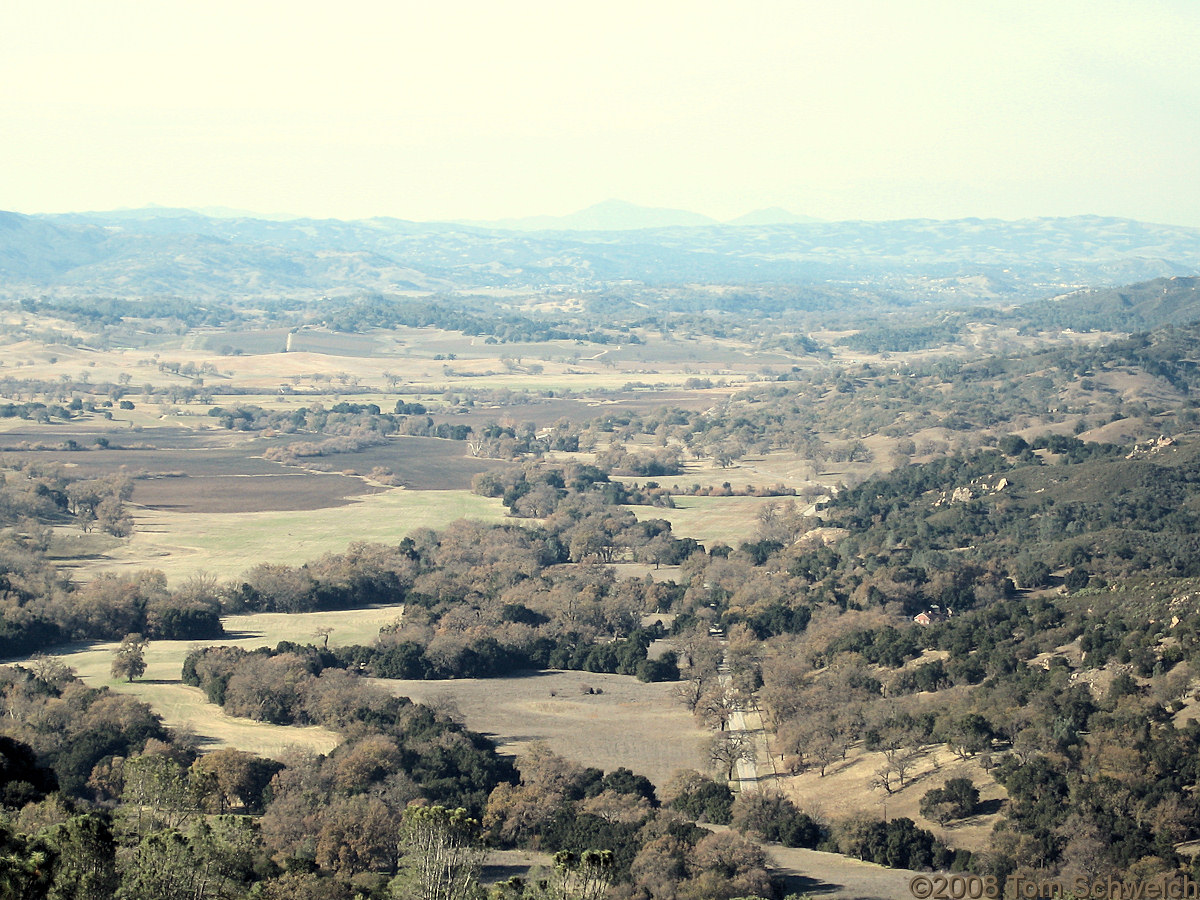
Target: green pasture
x=226 y=544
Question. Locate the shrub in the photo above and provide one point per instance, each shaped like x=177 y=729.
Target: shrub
x=956 y=800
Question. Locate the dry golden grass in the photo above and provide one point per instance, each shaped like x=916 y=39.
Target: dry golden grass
x=711 y=519
x=630 y=724
x=776 y=468
x=832 y=876
x=405 y=352
x=845 y=792
x=184 y=707
x=11 y=424
x=642 y=571
x=626 y=723
x=357 y=626
x=500 y=865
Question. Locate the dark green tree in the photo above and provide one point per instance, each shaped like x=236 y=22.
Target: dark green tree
x=130 y=659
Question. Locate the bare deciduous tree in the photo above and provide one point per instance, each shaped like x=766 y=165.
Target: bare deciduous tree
x=728 y=749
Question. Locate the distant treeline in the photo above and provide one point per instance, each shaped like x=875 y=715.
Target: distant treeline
x=211 y=668
x=363 y=420
x=363 y=313
x=111 y=310
x=901 y=339
x=106 y=608
x=33 y=410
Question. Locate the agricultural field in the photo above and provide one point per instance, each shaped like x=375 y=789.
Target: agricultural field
x=181 y=543
x=244 y=493
x=206 y=499
x=423 y=359
x=419 y=464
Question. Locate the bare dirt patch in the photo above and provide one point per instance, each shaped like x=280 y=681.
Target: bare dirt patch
x=420 y=464
x=233 y=494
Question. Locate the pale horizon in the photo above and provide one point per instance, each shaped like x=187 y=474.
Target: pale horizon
x=217 y=212
x=478 y=112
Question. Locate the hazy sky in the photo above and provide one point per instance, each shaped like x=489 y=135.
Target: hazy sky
x=479 y=110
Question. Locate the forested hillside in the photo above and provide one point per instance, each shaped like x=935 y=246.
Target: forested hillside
x=956 y=581
x=1137 y=307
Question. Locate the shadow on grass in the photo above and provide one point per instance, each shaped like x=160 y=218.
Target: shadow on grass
x=988 y=807
x=795 y=883
x=512 y=738
x=492 y=874
x=203 y=740
x=539 y=673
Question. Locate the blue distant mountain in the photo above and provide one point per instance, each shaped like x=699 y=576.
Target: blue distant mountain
x=186 y=253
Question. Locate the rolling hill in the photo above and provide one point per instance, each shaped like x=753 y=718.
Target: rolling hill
x=180 y=252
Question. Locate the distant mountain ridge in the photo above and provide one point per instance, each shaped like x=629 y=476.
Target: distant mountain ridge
x=610 y=215
x=185 y=253
x=155 y=211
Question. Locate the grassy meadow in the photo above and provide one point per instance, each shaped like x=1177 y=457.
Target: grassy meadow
x=711 y=519
x=844 y=792
x=624 y=723
x=186 y=708
x=225 y=545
